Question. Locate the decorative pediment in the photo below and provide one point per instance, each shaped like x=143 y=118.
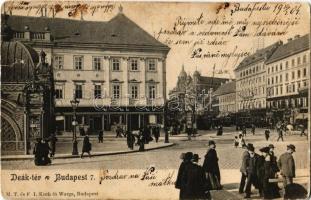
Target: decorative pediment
x=116 y=81
x=151 y=81
x=134 y=81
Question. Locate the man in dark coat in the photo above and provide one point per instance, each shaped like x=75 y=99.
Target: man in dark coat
x=38 y=152
x=251 y=171
x=87 y=146
x=211 y=166
x=130 y=138
x=53 y=141
x=267 y=134
x=101 y=136
x=46 y=150
x=286 y=165
x=156 y=133
x=196 y=183
x=181 y=175
x=245 y=157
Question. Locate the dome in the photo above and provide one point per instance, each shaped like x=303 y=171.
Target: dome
x=18 y=62
x=189 y=78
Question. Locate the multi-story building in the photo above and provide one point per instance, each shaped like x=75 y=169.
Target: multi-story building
x=115 y=69
x=251 y=85
x=226 y=102
x=287 y=80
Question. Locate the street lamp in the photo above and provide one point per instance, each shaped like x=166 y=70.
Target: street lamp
x=74 y=104
x=165 y=111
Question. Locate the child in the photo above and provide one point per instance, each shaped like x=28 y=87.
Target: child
x=241 y=141
x=236 y=141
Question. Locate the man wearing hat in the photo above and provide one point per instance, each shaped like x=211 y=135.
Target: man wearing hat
x=181 y=178
x=286 y=164
x=251 y=170
x=245 y=157
x=196 y=183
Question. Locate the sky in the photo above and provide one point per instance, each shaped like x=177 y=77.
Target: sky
x=154 y=16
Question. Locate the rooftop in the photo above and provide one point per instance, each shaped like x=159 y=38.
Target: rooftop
x=293 y=46
x=226 y=89
x=259 y=55
x=120 y=30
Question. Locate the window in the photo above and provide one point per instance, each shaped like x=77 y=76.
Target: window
x=298 y=74
x=281 y=66
x=272 y=80
x=293 y=62
x=58 y=62
x=58 y=91
x=304 y=59
x=293 y=87
x=276 y=91
x=286 y=77
x=134 y=92
x=298 y=61
x=152 y=92
x=78 y=62
x=299 y=85
x=151 y=64
x=116 y=91
x=134 y=64
x=276 y=68
x=78 y=91
x=97 y=91
x=281 y=78
x=304 y=72
x=268 y=70
x=281 y=90
x=293 y=75
x=115 y=64
x=97 y=63
x=276 y=79
x=241 y=74
x=272 y=69
x=286 y=64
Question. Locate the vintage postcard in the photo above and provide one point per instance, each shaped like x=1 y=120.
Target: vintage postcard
x=155 y=100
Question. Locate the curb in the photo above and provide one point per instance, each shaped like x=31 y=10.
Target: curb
x=93 y=155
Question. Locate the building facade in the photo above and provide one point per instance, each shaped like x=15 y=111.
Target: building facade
x=251 y=86
x=288 y=73
x=115 y=69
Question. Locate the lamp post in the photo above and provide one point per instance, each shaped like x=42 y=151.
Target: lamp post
x=166 y=140
x=74 y=104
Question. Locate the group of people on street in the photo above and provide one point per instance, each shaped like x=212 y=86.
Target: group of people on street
x=195 y=181
x=42 y=150
x=261 y=171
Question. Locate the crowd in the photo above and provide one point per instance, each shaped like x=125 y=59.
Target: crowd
x=195 y=181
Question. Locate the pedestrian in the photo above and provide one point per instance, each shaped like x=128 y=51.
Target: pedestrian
x=302 y=133
x=270 y=189
x=130 y=138
x=211 y=167
x=236 y=141
x=81 y=130
x=87 y=146
x=53 y=141
x=251 y=171
x=219 y=131
x=189 y=131
x=46 y=150
x=253 y=129
x=101 y=136
x=118 y=131
x=241 y=141
x=260 y=172
x=267 y=134
x=181 y=175
x=244 y=131
x=280 y=134
x=38 y=152
x=195 y=181
x=141 y=141
x=245 y=157
x=286 y=164
x=156 y=133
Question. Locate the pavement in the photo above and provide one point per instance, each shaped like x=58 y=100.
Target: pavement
x=112 y=146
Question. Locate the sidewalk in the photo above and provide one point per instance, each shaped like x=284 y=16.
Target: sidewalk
x=108 y=147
